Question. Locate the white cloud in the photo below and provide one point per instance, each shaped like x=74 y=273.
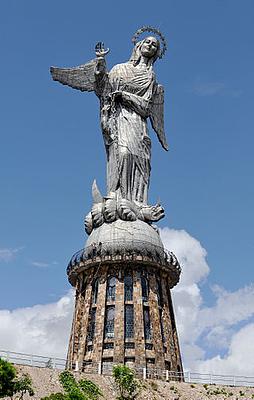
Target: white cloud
x=8 y=254
x=230 y=308
x=214 y=88
x=208 y=88
x=186 y=295
x=239 y=358
x=41 y=329
x=40 y=264
x=43 y=264
x=190 y=253
x=213 y=328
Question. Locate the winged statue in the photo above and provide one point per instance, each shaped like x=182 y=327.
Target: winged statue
x=129 y=95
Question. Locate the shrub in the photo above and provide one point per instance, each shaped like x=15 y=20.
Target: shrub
x=7 y=375
x=55 y=396
x=10 y=384
x=84 y=389
x=127 y=385
x=90 y=388
x=154 y=385
x=23 y=385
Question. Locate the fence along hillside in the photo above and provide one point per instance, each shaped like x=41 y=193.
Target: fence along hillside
x=34 y=360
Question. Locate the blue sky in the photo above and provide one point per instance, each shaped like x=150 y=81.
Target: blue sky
x=51 y=145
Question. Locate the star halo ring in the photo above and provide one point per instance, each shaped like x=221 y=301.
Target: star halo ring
x=153 y=30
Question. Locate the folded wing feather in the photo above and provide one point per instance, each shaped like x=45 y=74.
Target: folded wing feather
x=157 y=115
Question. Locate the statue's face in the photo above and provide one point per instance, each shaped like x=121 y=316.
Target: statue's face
x=149 y=47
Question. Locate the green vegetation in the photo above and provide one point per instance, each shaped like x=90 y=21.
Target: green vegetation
x=154 y=385
x=217 y=391
x=11 y=384
x=127 y=385
x=84 y=389
x=23 y=385
x=7 y=376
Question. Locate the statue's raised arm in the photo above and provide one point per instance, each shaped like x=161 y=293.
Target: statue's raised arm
x=82 y=77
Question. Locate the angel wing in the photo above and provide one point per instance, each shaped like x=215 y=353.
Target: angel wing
x=81 y=77
x=157 y=115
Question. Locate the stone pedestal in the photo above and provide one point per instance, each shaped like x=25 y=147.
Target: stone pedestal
x=124 y=312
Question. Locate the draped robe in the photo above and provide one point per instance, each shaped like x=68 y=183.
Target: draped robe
x=124 y=125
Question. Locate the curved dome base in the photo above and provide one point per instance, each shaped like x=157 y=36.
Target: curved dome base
x=124 y=242
x=129 y=235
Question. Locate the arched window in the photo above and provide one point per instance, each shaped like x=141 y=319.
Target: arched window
x=111 y=288
x=110 y=322
x=95 y=286
x=128 y=321
x=128 y=288
x=145 y=288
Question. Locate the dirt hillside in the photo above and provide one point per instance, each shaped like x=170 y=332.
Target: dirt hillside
x=45 y=381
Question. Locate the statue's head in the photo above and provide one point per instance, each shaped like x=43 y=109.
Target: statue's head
x=148 y=47
x=151 y=47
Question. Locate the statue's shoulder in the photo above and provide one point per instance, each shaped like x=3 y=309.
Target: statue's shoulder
x=121 y=67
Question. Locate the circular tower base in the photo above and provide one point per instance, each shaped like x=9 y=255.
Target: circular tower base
x=124 y=312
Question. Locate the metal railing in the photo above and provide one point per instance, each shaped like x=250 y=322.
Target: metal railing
x=33 y=360
x=145 y=373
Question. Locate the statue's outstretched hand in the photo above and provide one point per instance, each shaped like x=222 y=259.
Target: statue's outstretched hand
x=100 y=51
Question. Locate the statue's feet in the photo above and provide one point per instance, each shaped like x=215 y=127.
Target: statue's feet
x=127 y=210
x=111 y=208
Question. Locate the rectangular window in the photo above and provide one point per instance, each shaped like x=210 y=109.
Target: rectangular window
x=167 y=365
x=128 y=322
x=91 y=329
x=129 y=345
x=129 y=362
x=171 y=311
x=108 y=346
x=159 y=292
x=128 y=288
x=162 y=327
x=147 y=324
x=109 y=322
x=111 y=288
x=107 y=365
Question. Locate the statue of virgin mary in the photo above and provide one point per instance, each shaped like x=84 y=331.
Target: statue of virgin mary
x=129 y=95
